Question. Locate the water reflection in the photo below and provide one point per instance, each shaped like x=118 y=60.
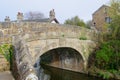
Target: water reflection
x=61 y=74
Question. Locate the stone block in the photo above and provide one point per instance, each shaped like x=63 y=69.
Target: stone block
x=1 y=39
x=1 y=33
x=7 y=39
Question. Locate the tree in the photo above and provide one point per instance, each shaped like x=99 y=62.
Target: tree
x=89 y=24
x=115 y=15
x=75 y=21
x=114 y=8
x=108 y=55
x=34 y=15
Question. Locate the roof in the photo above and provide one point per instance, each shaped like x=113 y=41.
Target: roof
x=38 y=20
x=100 y=8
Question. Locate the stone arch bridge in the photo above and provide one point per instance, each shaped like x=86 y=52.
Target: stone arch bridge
x=33 y=39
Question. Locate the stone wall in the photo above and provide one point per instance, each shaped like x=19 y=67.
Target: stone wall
x=37 y=30
x=4 y=64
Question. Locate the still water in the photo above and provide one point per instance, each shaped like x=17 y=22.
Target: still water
x=62 y=74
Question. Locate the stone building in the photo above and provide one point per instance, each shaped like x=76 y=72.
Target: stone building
x=100 y=17
x=20 y=18
x=51 y=19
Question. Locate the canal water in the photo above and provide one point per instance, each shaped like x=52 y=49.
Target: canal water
x=54 y=73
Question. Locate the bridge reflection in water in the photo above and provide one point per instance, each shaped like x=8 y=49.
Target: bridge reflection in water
x=62 y=74
x=62 y=64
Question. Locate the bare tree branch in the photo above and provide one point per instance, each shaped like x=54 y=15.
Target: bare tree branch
x=33 y=15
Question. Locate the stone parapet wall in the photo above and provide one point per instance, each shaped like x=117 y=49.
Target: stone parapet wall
x=7 y=30
x=37 y=30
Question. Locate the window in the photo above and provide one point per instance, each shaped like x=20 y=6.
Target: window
x=107 y=19
x=105 y=10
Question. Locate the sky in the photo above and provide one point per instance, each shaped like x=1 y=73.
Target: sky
x=64 y=9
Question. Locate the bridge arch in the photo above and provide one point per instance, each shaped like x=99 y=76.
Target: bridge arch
x=56 y=45
x=63 y=57
x=48 y=48
x=63 y=49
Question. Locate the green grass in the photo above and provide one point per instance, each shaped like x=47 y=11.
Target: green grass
x=82 y=38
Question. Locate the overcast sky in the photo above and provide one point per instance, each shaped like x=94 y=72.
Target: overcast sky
x=64 y=9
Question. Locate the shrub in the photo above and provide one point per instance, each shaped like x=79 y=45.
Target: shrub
x=6 y=50
x=108 y=56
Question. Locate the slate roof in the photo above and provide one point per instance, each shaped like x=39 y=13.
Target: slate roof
x=38 y=20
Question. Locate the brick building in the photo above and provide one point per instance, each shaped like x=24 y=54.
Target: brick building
x=100 y=17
